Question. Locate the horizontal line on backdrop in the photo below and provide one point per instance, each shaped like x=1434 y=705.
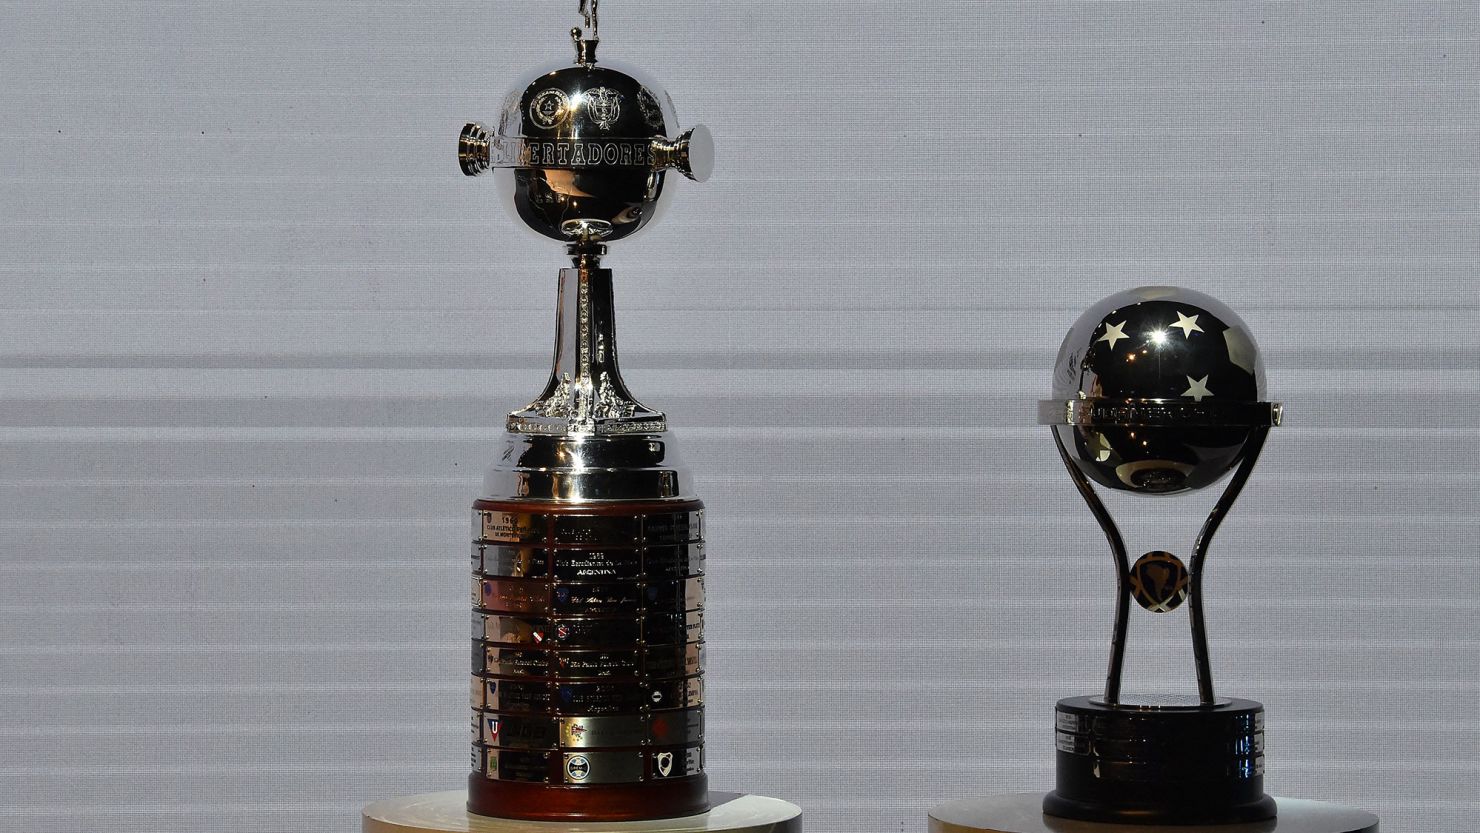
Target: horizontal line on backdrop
x=1038 y=86
x=227 y=648
x=913 y=646
x=874 y=683
x=1033 y=476
x=441 y=559
x=998 y=40
x=337 y=812
x=918 y=721
x=944 y=722
x=153 y=691
x=926 y=719
x=1250 y=175
x=214 y=810
x=1436 y=360
x=864 y=219
x=875 y=264
x=236 y=771
x=44 y=731
x=275 y=607
x=971 y=519
x=354 y=435
x=113 y=568
x=1157 y=126
x=732 y=602
x=1414 y=125
x=1029 y=685
x=375 y=434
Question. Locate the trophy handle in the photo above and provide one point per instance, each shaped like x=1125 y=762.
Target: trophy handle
x=1122 y=571
x=1205 y=692
x=1199 y=555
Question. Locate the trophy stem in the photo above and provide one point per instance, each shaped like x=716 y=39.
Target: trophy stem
x=586 y=393
x=1122 y=572
x=1205 y=692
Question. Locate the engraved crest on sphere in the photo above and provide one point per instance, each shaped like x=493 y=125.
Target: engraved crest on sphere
x=549 y=107
x=652 y=113
x=603 y=106
x=1159 y=582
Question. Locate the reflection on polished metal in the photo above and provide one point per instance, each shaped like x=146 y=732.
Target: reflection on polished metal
x=585 y=394
x=1157 y=391
x=588 y=549
x=581 y=150
x=1175 y=408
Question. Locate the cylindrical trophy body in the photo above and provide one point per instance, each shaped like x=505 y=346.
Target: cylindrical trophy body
x=588 y=634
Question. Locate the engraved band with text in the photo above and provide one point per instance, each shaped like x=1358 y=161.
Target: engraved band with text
x=588 y=647
x=606 y=152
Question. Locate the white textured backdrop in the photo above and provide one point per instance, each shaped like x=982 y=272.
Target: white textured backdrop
x=257 y=336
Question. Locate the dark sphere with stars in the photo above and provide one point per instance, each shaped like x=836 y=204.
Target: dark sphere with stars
x=1158 y=344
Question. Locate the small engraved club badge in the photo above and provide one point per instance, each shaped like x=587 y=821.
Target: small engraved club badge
x=665 y=763
x=549 y=107
x=652 y=112
x=603 y=106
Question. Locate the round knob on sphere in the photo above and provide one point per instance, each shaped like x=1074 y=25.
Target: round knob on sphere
x=692 y=155
x=475 y=150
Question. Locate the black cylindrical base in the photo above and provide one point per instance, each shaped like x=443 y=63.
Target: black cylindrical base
x=1162 y=764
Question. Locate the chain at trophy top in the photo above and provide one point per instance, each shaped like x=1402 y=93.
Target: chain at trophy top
x=588 y=35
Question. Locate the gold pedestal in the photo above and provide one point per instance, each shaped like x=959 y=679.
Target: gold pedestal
x=448 y=813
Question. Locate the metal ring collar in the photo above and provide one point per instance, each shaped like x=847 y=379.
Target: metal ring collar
x=1158 y=412
x=587 y=469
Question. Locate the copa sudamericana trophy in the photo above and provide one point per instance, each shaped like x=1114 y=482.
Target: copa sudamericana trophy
x=1158 y=391
x=588 y=547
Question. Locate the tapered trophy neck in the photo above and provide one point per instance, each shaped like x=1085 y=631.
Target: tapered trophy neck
x=586 y=395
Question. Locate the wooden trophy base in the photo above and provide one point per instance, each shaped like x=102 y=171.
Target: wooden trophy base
x=448 y=813
x=1023 y=813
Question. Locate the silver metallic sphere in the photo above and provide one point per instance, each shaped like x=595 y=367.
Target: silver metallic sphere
x=1157 y=391
x=581 y=151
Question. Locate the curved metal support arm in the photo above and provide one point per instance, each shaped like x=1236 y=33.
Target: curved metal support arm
x=1122 y=571
x=1199 y=556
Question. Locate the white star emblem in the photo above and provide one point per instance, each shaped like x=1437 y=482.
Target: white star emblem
x=1114 y=333
x=1102 y=449
x=1188 y=325
x=1197 y=388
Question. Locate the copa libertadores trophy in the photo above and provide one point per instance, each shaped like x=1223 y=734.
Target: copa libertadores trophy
x=588 y=544
x=1157 y=391
x=588 y=547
